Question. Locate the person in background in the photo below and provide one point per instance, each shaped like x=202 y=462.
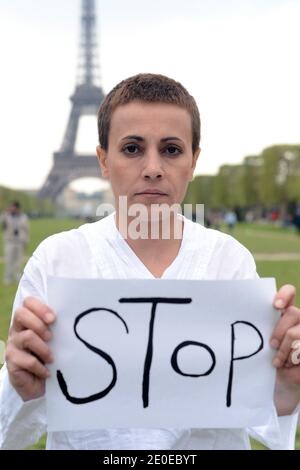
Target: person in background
x=297 y=218
x=230 y=220
x=15 y=228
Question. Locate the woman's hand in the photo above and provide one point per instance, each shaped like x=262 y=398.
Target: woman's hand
x=27 y=350
x=285 y=333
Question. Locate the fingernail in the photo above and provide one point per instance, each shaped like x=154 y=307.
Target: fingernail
x=49 y=317
x=48 y=374
x=276 y=362
x=279 y=303
x=274 y=343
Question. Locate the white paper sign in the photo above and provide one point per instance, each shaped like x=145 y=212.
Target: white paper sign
x=160 y=353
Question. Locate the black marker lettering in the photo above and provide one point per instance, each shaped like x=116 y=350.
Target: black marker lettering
x=230 y=379
x=174 y=362
x=104 y=355
x=149 y=353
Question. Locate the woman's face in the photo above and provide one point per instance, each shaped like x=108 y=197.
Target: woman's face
x=149 y=158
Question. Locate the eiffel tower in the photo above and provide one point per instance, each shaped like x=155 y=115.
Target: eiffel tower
x=69 y=166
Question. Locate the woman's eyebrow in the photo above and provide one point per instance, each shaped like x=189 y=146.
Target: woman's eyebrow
x=133 y=137
x=165 y=139
x=140 y=139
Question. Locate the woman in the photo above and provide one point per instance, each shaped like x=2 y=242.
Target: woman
x=149 y=134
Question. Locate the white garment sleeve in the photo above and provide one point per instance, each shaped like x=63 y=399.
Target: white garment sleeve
x=280 y=432
x=22 y=423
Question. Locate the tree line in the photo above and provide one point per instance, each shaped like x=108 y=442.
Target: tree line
x=269 y=179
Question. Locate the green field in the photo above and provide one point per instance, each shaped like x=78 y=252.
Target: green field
x=263 y=240
x=268 y=240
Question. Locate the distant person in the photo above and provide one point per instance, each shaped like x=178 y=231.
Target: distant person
x=274 y=215
x=250 y=217
x=230 y=220
x=15 y=228
x=213 y=220
x=297 y=219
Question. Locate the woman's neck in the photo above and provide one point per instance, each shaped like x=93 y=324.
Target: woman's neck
x=156 y=243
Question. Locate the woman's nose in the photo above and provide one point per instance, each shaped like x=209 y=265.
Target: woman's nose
x=153 y=166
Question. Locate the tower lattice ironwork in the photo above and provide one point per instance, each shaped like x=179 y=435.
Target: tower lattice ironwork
x=67 y=165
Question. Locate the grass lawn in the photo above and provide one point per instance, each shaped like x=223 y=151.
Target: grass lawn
x=257 y=238
x=267 y=238
x=284 y=272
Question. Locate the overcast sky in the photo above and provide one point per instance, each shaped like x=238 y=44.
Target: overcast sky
x=238 y=58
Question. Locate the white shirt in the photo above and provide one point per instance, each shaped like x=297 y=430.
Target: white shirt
x=98 y=251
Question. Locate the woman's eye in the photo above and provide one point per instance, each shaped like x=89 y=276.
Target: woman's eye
x=172 y=150
x=131 y=149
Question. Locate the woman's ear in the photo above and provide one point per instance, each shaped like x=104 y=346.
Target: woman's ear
x=194 y=162
x=102 y=159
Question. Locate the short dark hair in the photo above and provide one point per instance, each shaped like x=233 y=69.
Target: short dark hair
x=151 y=88
x=16 y=204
